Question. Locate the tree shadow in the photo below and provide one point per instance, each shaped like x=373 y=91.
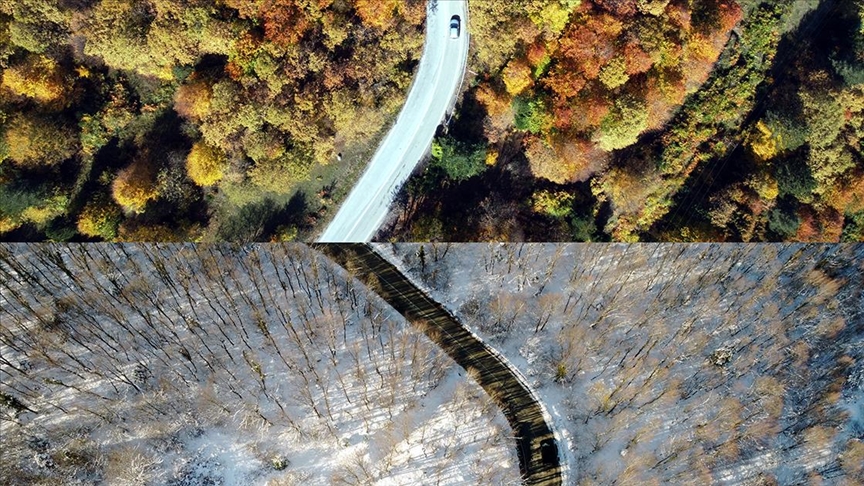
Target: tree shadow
x=257 y=222
x=467 y=127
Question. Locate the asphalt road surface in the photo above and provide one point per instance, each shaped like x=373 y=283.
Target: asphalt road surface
x=539 y=455
x=432 y=94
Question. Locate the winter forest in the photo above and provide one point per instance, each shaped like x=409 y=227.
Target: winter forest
x=676 y=364
x=224 y=365
x=192 y=365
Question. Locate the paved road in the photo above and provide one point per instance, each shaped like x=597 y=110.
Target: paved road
x=432 y=94
x=519 y=405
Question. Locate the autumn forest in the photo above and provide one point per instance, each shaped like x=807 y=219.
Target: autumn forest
x=584 y=120
x=190 y=120
x=652 y=120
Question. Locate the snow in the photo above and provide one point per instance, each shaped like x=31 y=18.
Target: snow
x=412 y=418
x=634 y=327
x=615 y=340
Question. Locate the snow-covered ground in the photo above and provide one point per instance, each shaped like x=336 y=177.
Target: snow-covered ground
x=674 y=363
x=195 y=365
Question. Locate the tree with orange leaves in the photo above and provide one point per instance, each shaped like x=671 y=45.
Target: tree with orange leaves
x=284 y=22
x=589 y=42
x=376 y=13
x=517 y=77
x=135 y=186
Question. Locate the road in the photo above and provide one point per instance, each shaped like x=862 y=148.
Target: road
x=433 y=92
x=519 y=405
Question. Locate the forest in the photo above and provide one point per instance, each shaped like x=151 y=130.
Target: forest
x=580 y=120
x=675 y=364
x=651 y=120
x=187 y=120
x=188 y=365
x=225 y=364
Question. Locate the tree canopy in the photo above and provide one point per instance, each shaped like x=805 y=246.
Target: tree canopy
x=255 y=94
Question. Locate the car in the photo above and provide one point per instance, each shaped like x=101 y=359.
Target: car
x=455 y=26
x=549 y=452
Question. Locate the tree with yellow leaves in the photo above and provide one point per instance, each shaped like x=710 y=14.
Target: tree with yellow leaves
x=38 y=77
x=614 y=74
x=762 y=143
x=99 y=219
x=192 y=100
x=34 y=141
x=557 y=204
x=135 y=185
x=517 y=76
x=205 y=164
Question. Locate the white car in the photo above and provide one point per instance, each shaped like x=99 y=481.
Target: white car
x=454 y=27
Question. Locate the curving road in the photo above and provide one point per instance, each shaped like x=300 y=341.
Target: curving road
x=432 y=94
x=519 y=405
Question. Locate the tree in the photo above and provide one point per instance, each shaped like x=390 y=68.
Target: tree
x=614 y=74
x=564 y=81
x=135 y=186
x=794 y=178
x=39 y=35
x=47 y=210
x=37 y=77
x=765 y=185
x=762 y=142
x=376 y=13
x=589 y=43
x=652 y=7
x=622 y=8
x=557 y=204
x=783 y=221
x=531 y=115
x=561 y=160
x=116 y=31
x=33 y=141
x=495 y=102
x=825 y=115
x=205 y=165
x=460 y=160
x=517 y=77
x=37 y=204
x=623 y=125
x=282 y=174
x=100 y=218
x=192 y=100
x=285 y=23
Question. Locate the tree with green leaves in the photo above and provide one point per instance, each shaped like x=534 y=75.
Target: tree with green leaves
x=622 y=126
x=460 y=160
